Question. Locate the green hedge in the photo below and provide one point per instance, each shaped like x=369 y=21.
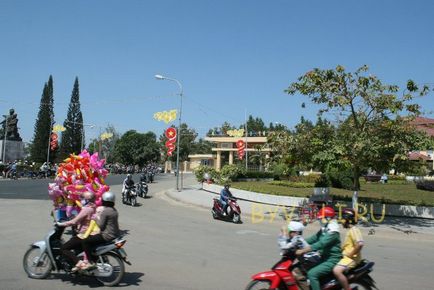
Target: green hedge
x=292 y=184
x=256 y=174
x=311 y=178
x=425 y=185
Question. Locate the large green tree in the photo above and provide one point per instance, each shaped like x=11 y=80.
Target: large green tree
x=372 y=129
x=105 y=146
x=39 y=146
x=201 y=147
x=135 y=148
x=72 y=137
x=255 y=125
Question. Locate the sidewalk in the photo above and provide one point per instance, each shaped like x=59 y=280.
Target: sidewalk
x=195 y=195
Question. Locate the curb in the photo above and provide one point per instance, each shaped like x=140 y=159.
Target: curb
x=266 y=215
x=167 y=193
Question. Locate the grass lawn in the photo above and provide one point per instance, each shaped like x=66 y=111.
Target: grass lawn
x=370 y=192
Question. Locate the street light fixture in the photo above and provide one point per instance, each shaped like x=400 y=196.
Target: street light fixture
x=160 y=77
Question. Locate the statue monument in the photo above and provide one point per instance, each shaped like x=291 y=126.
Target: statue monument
x=11 y=145
x=10 y=127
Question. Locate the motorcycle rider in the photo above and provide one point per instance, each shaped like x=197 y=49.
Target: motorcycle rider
x=351 y=249
x=291 y=236
x=327 y=241
x=109 y=228
x=225 y=195
x=82 y=220
x=128 y=183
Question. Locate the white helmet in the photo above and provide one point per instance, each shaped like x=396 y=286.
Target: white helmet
x=109 y=196
x=295 y=227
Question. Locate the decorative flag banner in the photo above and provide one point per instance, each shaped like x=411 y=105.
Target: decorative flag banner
x=166 y=116
x=235 y=133
x=53 y=142
x=58 y=128
x=171 y=136
x=241 y=145
x=106 y=135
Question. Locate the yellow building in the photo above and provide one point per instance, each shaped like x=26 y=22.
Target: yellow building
x=226 y=149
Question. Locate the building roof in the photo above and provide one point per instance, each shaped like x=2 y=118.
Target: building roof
x=418 y=156
x=424 y=124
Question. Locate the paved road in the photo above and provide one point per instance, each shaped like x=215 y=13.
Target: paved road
x=37 y=188
x=177 y=246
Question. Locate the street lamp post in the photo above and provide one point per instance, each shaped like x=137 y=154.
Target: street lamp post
x=49 y=139
x=82 y=134
x=4 y=142
x=160 y=77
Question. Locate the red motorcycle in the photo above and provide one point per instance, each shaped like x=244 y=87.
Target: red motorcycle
x=281 y=276
x=233 y=211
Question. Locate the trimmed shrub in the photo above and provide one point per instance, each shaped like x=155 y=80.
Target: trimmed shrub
x=341 y=178
x=257 y=174
x=231 y=172
x=200 y=171
x=311 y=178
x=425 y=185
x=396 y=177
x=322 y=181
x=292 y=184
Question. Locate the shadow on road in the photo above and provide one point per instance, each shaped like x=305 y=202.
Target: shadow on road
x=129 y=279
x=407 y=222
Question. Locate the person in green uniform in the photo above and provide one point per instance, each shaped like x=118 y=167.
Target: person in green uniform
x=328 y=242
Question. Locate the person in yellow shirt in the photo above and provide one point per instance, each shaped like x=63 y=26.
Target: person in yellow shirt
x=351 y=249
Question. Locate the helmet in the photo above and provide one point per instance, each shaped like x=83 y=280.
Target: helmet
x=326 y=212
x=349 y=216
x=227 y=186
x=295 y=227
x=129 y=176
x=109 y=196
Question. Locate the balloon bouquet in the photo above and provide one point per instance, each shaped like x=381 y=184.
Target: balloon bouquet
x=77 y=174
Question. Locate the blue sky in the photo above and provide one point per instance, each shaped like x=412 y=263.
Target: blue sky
x=231 y=56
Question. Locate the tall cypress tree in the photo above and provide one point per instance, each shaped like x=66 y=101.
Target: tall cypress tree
x=72 y=136
x=39 y=147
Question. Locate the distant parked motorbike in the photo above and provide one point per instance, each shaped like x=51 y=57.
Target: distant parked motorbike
x=130 y=196
x=45 y=256
x=142 y=189
x=233 y=211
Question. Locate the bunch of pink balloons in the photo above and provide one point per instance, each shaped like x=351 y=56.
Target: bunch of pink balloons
x=78 y=174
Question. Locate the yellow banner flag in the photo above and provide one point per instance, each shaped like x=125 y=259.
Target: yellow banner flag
x=166 y=116
x=58 y=128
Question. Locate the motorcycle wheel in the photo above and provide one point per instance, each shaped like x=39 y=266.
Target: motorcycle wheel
x=236 y=218
x=214 y=214
x=133 y=201
x=40 y=270
x=117 y=269
x=360 y=286
x=124 y=199
x=258 y=285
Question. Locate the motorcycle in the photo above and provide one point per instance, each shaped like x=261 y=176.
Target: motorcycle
x=150 y=177
x=130 y=196
x=233 y=211
x=142 y=189
x=45 y=256
x=281 y=276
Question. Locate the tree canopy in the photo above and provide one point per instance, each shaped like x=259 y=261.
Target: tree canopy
x=373 y=126
x=136 y=148
x=72 y=137
x=39 y=147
